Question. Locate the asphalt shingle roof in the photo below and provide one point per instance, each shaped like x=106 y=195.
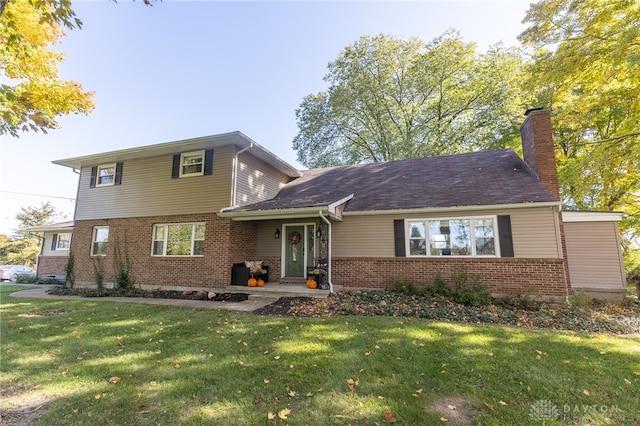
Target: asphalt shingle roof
x=473 y=179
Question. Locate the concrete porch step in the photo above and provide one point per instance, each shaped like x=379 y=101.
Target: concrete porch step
x=277 y=290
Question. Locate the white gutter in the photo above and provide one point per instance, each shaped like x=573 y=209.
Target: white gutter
x=329 y=251
x=291 y=213
x=454 y=209
x=234 y=177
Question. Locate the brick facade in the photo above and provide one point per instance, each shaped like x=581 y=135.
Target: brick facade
x=225 y=242
x=503 y=276
x=51 y=265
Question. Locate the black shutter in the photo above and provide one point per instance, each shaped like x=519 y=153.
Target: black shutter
x=398 y=234
x=94 y=177
x=208 y=162
x=506 y=240
x=54 y=242
x=118 y=177
x=175 y=170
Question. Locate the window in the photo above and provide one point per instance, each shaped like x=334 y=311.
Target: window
x=100 y=239
x=106 y=175
x=192 y=164
x=61 y=241
x=180 y=239
x=452 y=237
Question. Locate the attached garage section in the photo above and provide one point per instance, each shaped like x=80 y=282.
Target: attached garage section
x=594 y=254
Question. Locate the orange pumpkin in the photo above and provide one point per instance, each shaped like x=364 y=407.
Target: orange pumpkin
x=260 y=283
x=252 y=282
x=311 y=283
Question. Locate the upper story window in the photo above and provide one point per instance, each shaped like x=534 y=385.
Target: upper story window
x=452 y=237
x=106 y=175
x=178 y=239
x=61 y=241
x=99 y=241
x=193 y=163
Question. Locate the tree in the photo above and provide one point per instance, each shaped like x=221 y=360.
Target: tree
x=34 y=216
x=586 y=68
x=22 y=247
x=390 y=99
x=35 y=95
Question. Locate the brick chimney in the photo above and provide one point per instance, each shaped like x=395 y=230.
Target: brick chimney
x=537 y=147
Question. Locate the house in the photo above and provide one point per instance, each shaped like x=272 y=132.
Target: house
x=54 y=249
x=181 y=214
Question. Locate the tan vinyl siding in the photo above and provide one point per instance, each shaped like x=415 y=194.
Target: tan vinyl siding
x=147 y=189
x=593 y=252
x=535 y=233
x=46 y=248
x=257 y=181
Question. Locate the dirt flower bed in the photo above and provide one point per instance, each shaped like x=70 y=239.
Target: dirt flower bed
x=594 y=317
x=154 y=294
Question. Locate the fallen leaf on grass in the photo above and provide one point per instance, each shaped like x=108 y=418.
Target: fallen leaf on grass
x=271 y=416
x=586 y=392
x=627 y=381
x=114 y=379
x=444 y=419
x=502 y=402
x=489 y=406
x=284 y=413
x=637 y=373
x=389 y=416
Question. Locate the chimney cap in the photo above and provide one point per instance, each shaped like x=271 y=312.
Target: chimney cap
x=527 y=112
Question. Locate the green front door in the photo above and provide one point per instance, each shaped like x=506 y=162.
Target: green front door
x=299 y=249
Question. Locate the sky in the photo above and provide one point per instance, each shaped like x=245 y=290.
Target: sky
x=184 y=69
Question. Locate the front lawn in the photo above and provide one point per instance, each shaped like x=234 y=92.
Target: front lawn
x=95 y=362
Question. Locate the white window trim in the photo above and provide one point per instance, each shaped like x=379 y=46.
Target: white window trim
x=58 y=248
x=113 y=179
x=166 y=235
x=182 y=157
x=93 y=240
x=496 y=237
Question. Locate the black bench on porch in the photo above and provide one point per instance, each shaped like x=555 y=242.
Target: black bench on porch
x=240 y=274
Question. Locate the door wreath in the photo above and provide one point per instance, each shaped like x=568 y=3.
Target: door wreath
x=294 y=237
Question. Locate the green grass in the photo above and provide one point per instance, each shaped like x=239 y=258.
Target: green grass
x=176 y=365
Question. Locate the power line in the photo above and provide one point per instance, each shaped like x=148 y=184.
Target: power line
x=37 y=195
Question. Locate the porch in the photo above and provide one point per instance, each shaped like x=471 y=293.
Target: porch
x=276 y=290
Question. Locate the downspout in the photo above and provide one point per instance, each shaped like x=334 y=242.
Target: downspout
x=328 y=252
x=234 y=177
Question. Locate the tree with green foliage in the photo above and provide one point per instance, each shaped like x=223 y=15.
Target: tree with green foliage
x=391 y=99
x=586 y=68
x=34 y=96
x=23 y=247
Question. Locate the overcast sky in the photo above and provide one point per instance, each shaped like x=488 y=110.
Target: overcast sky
x=183 y=69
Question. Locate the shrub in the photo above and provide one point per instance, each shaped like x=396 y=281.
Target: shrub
x=467 y=289
x=69 y=276
x=98 y=273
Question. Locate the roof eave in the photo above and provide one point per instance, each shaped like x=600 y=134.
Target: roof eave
x=167 y=148
x=293 y=213
x=556 y=204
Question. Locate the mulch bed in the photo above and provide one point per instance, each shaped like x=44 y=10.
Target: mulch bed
x=595 y=317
